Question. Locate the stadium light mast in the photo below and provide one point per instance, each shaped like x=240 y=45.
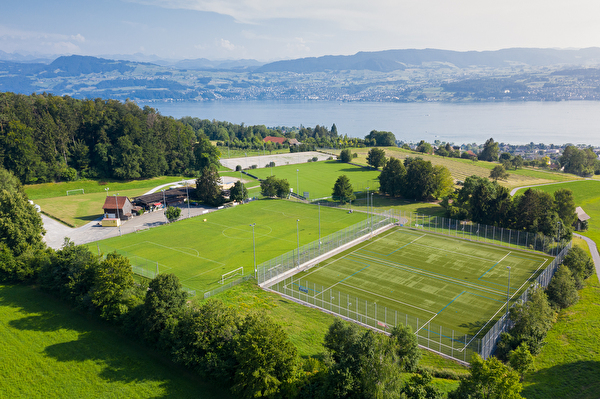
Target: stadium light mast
x=298 y=241
x=507 y=292
x=254 y=247
x=118 y=217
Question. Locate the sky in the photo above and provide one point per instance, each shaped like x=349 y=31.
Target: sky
x=269 y=30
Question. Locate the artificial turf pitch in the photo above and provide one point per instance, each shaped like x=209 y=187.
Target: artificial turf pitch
x=449 y=282
x=199 y=252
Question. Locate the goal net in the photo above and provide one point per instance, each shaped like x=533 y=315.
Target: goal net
x=75 y=192
x=229 y=275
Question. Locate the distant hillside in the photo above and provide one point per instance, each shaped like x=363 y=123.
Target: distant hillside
x=392 y=60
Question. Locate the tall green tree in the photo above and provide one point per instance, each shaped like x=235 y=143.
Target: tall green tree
x=346 y=155
x=208 y=187
x=562 y=291
x=580 y=264
x=532 y=320
x=163 y=305
x=420 y=179
x=499 y=172
x=265 y=357
x=173 y=213
x=112 y=286
x=407 y=346
x=376 y=157
x=391 y=178
x=238 y=192
x=564 y=204
x=342 y=190
x=490 y=151
x=521 y=360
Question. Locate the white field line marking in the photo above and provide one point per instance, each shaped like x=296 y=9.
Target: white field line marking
x=389 y=299
x=426 y=323
x=176 y=250
x=509 y=252
x=454 y=252
x=350 y=253
x=511 y=297
x=431 y=274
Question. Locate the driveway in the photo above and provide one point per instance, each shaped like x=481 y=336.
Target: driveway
x=594 y=250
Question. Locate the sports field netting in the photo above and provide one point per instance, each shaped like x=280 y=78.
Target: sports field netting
x=449 y=290
x=199 y=252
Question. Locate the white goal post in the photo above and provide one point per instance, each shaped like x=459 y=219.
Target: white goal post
x=231 y=274
x=76 y=191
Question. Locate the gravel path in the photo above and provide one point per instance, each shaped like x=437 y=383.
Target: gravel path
x=262 y=161
x=514 y=190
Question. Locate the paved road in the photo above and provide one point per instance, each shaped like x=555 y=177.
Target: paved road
x=594 y=250
x=514 y=190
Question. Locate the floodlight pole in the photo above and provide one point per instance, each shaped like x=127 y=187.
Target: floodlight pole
x=298 y=241
x=254 y=247
x=319 y=205
x=507 y=292
x=106 y=189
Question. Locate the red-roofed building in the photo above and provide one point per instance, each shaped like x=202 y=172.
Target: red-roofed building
x=117 y=207
x=275 y=140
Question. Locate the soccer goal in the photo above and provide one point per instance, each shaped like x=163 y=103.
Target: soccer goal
x=75 y=192
x=229 y=275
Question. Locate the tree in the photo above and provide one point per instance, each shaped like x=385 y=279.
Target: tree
x=580 y=264
x=419 y=386
x=282 y=188
x=206 y=154
x=391 y=178
x=346 y=155
x=532 y=320
x=499 y=173
x=274 y=187
x=342 y=190
x=443 y=181
x=265 y=357
x=517 y=162
x=489 y=379
x=376 y=157
x=162 y=307
x=238 y=192
x=208 y=189
x=113 y=279
x=407 y=345
x=424 y=147
x=382 y=139
x=490 y=151
x=420 y=179
x=172 y=213
x=562 y=291
x=521 y=360
x=564 y=204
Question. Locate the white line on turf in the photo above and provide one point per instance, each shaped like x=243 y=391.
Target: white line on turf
x=176 y=250
x=509 y=252
x=426 y=323
x=389 y=299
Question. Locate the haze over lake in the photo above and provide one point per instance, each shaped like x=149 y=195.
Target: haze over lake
x=576 y=122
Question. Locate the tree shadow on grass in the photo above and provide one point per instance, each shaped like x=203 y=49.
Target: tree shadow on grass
x=577 y=380
x=122 y=359
x=473 y=327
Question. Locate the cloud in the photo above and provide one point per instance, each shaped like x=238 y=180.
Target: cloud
x=226 y=44
x=24 y=41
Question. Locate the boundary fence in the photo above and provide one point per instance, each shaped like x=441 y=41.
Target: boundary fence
x=278 y=275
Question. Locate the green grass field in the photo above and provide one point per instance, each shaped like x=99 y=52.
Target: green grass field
x=49 y=351
x=450 y=283
x=200 y=252
x=318 y=178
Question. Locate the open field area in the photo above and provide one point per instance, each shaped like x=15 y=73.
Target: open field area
x=463 y=168
x=199 y=252
x=569 y=364
x=49 y=351
x=318 y=178
x=444 y=286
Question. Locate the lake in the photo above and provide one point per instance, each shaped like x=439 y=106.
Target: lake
x=576 y=122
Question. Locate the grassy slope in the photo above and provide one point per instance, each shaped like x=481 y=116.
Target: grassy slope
x=462 y=168
x=318 y=178
x=47 y=350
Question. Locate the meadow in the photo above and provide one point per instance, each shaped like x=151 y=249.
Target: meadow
x=426 y=280
x=201 y=249
x=318 y=178
x=49 y=351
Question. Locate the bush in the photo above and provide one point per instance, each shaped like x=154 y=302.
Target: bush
x=315 y=159
x=238 y=168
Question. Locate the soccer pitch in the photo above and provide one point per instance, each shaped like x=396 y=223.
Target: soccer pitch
x=199 y=252
x=422 y=279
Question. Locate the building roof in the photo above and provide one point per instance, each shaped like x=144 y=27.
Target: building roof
x=581 y=215
x=272 y=139
x=170 y=196
x=109 y=202
x=293 y=142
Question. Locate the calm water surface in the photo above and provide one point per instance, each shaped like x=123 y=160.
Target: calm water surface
x=575 y=122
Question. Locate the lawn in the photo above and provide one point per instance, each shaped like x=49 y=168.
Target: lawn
x=444 y=287
x=49 y=351
x=318 y=178
x=463 y=168
x=200 y=250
